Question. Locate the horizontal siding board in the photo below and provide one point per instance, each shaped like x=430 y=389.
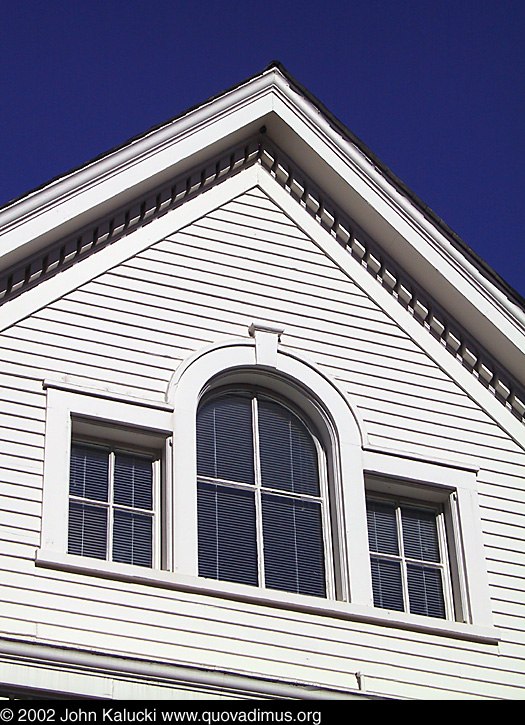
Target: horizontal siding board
x=472 y=435
x=69 y=339
x=161 y=287
x=440 y=415
x=21 y=451
x=21 y=480
x=413 y=361
x=19 y=520
x=343 y=655
x=220 y=643
x=19 y=505
x=427 y=441
x=22 y=437
x=124 y=333
x=87 y=368
x=192 y=606
x=279 y=250
x=234 y=222
x=28 y=424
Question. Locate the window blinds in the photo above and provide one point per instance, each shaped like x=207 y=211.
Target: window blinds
x=406 y=562
x=111 y=505
x=259 y=503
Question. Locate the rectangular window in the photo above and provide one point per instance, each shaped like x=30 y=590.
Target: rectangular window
x=113 y=504
x=408 y=557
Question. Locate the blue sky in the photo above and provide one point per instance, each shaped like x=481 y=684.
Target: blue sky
x=433 y=87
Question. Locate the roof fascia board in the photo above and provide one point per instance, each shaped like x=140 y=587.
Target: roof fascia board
x=52 y=289
x=89 y=192
x=449 y=276
x=384 y=300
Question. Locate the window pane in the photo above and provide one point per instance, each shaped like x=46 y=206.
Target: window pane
x=420 y=536
x=425 y=590
x=382 y=527
x=133 y=484
x=293 y=545
x=227 y=534
x=88 y=475
x=289 y=459
x=87 y=530
x=225 y=439
x=132 y=538
x=386 y=584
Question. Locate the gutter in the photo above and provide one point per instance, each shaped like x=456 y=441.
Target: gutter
x=165 y=674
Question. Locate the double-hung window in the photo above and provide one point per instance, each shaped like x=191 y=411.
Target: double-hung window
x=113 y=504
x=408 y=557
x=262 y=495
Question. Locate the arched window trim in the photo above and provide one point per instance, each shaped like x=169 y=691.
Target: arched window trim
x=321 y=401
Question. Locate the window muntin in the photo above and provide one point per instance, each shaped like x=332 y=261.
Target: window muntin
x=113 y=504
x=408 y=557
x=262 y=495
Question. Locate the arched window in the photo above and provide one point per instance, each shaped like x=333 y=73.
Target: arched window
x=262 y=494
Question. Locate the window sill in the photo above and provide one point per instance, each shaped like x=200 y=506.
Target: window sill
x=264 y=597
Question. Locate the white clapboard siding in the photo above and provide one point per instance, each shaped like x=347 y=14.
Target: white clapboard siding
x=128 y=329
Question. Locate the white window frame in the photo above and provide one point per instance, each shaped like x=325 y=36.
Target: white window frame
x=454 y=486
x=85 y=415
x=259 y=362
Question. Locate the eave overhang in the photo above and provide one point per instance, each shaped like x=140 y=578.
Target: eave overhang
x=274 y=103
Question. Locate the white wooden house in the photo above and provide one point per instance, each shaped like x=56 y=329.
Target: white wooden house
x=262 y=424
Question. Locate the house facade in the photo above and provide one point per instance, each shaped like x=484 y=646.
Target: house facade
x=262 y=424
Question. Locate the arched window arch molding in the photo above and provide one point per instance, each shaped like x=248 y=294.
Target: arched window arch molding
x=322 y=401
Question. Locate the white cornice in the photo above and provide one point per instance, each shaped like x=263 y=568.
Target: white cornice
x=348 y=151
x=340 y=168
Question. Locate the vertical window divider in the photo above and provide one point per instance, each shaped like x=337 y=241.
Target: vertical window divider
x=324 y=491
x=110 y=507
x=156 y=514
x=445 y=566
x=258 y=489
x=402 y=557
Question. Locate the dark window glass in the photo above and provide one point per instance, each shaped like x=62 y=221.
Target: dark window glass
x=387 y=584
x=225 y=439
x=288 y=454
x=425 y=591
x=382 y=528
x=133 y=482
x=227 y=533
x=132 y=486
x=89 y=472
x=293 y=545
x=87 y=530
x=132 y=538
x=420 y=536
x=246 y=530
